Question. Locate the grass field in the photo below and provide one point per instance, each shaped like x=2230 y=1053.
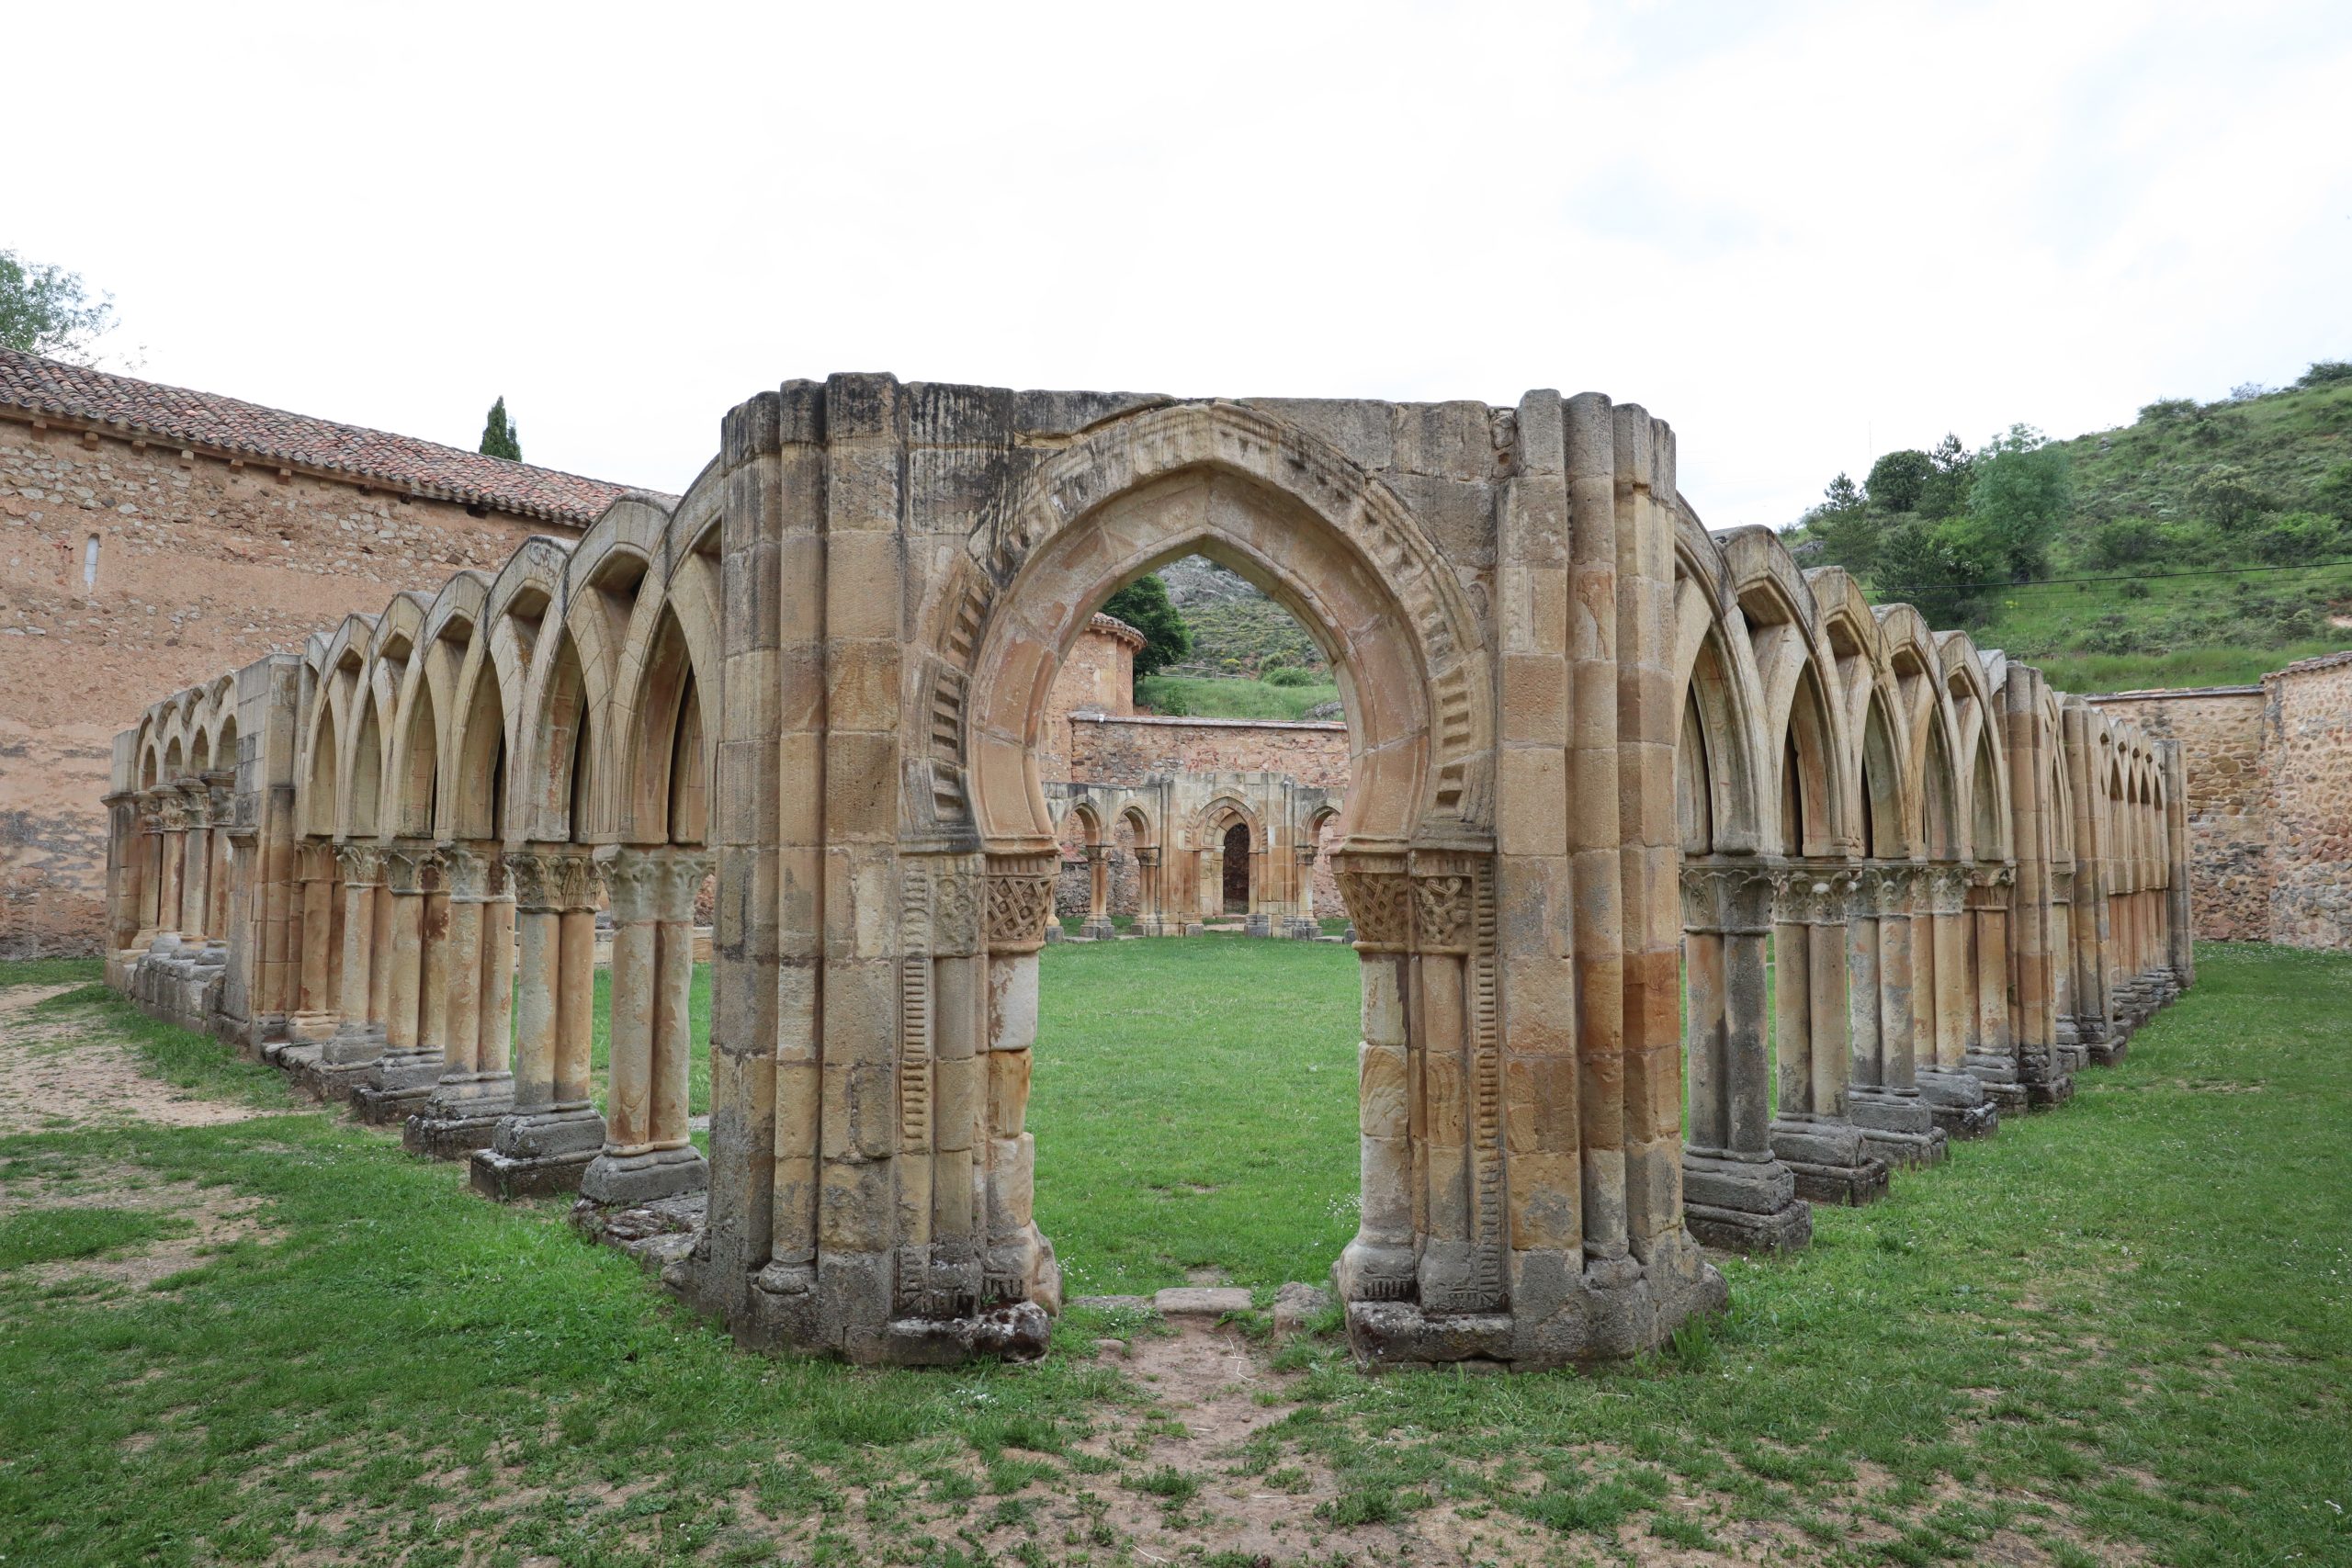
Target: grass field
x=2120 y=1332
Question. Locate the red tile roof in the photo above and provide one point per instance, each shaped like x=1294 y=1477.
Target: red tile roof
x=206 y=419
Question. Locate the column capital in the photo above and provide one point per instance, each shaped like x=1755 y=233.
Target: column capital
x=1378 y=892
x=654 y=883
x=552 y=878
x=410 y=868
x=1146 y=854
x=1020 y=901
x=1729 y=895
x=172 y=807
x=1441 y=916
x=467 y=872
x=1944 y=889
x=1817 y=895
x=1096 y=853
x=1306 y=854
x=363 y=864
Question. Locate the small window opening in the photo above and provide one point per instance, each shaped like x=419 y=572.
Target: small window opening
x=90 y=564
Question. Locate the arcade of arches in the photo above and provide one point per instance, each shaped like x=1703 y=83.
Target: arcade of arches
x=1604 y=769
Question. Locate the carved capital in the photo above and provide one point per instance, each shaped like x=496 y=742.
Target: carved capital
x=1813 y=896
x=363 y=864
x=466 y=870
x=957 y=892
x=1020 y=901
x=313 y=861
x=171 y=808
x=1734 y=897
x=1379 y=897
x=1306 y=854
x=551 y=879
x=1146 y=854
x=412 y=868
x=1097 y=853
x=654 y=885
x=1442 y=919
x=150 y=811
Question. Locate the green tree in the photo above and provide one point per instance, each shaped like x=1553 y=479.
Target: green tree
x=2227 y=495
x=499 y=438
x=1144 y=605
x=1946 y=494
x=48 y=310
x=2024 y=488
x=1942 y=568
x=1844 y=526
x=2325 y=373
x=1900 y=480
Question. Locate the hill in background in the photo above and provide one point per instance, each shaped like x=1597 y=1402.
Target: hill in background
x=2210 y=533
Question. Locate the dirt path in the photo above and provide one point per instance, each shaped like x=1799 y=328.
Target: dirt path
x=65 y=1072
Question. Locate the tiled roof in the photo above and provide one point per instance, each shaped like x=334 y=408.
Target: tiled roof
x=206 y=419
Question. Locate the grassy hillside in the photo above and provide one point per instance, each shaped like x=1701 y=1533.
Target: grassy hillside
x=2209 y=531
x=1251 y=658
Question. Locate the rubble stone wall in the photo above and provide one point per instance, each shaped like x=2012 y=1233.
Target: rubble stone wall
x=2230 y=807
x=128 y=569
x=2307 y=765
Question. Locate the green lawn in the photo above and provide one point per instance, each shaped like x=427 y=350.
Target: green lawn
x=2121 y=1331
x=1231 y=696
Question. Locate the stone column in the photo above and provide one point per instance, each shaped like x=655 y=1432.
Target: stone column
x=1992 y=1059
x=1098 y=924
x=196 y=860
x=1379 y=1265
x=648 y=1155
x=220 y=814
x=475 y=1089
x=403 y=1075
x=1153 y=919
x=1812 y=1134
x=1019 y=1263
x=1884 y=1099
x=173 y=856
x=1954 y=1096
x=1304 y=925
x=314 y=1018
x=148 y=851
x=358 y=1039
x=554 y=1131
x=1736 y=1193
x=2180 y=929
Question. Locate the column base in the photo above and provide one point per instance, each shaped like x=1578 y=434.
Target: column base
x=2110 y=1050
x=2047 y=1082
x=630 y=1179
x=1998 y=1074
x=1958 y=1103
x=1155 y=928
x=461 y=1115
x=1744 y=1205
x=1258 y=925
x=1054 y=931
x=1829 y=1162
x=538 y=1153
x=1896 y=1127
x=397 y=1087
x=1305 y=930
x=1098 y=931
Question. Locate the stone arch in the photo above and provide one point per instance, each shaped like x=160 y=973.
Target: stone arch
x=1341 y=553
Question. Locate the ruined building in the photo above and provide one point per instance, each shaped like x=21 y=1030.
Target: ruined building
x=1589 y=744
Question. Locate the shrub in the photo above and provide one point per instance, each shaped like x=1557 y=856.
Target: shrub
x=2127 y=541
x=1898 y=481
x=2224 y=494
x=1292 y=675
x=2246 y=392
x=2325 y=373
x=2132 y=589
x=2164 y=410
x=2296 y=536
x=2333 y=495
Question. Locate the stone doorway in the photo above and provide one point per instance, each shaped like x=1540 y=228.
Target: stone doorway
x=1236 y=869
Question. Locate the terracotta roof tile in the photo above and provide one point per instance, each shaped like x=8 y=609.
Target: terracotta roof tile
x=206 y=419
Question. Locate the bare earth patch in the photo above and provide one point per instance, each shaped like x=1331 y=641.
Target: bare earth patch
x=214 y=1216
x=59 y=1073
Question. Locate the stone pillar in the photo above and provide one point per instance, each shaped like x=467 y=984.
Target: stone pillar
x=1098 y=925
x=648 y=1155
x=1884 y=1099
x=554 y=1131
x=2040 y=1067
x=1152 y=918
x=147 y=852
x=475 y=1089
x=1304 y=925
x=1992 y=1059
x=221 y=816
x=314 y=1018
x=403 y=1077
x=2180 y=930
x=1954 y=1096
x=1812 y=1134
x=196 y=860
x=1379 y=1265
x=1736 y=1192
x=173 y=857
x=345 y=1056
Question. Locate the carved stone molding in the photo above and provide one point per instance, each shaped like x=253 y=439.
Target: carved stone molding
x=172 y=811
x=1442 y=915
x=313 y=861
x=957 y=892
x=410 y=868
x=1813 y=895
x=1146 y=854
x=466 y=870
x=1020 y=901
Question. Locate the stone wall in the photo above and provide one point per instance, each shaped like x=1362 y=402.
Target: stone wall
x=2230 y=810
x=201 y=564
x=2307 y=765
x=2269 y=800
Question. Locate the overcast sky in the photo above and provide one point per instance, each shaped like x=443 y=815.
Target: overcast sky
x=1803 y=233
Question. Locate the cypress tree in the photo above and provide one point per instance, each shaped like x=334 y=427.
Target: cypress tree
x=498 y=437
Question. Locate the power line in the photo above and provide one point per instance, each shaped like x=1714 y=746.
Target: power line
x=2125 y=577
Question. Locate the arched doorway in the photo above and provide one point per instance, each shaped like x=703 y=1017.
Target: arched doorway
x=1234 y=872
